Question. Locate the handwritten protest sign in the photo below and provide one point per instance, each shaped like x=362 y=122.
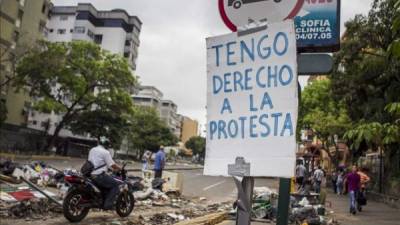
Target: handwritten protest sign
x=252 y=101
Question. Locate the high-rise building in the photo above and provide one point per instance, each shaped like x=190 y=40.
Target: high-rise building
x=22 y=23
x=189 y=129
x=170 y=116
x=114 y=30
x=148 y=96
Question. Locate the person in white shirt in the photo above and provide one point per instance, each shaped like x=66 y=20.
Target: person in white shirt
x=101 y=159
x=300 y=174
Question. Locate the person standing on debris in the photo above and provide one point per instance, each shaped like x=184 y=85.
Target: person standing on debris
x=300 y=174
x=159 y=162
x=101 y=157
x=317 y=178
x=353 y=187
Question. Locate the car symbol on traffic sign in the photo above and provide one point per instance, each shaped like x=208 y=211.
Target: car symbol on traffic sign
x=238 y=3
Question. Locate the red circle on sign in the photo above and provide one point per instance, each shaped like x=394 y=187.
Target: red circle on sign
x=233 y=27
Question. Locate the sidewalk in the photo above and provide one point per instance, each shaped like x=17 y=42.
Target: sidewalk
x=374 y=213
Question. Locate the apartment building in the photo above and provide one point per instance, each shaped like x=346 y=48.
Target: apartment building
x=189 y=128
x=114 y=30
x=22 y=23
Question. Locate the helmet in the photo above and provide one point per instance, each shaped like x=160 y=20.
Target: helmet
x=105 y=142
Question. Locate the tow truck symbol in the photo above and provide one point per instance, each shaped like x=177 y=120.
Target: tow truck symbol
x=238 y=3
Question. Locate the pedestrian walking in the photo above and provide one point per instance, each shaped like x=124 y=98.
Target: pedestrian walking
x=339 y=182
x=353 y=187
x=145 y=160
x=362 y=194
x=334 y=178
x=317 y=178
x=159 y=162
x=300 y=174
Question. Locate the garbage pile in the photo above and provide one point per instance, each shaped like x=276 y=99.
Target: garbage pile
x=20 y=195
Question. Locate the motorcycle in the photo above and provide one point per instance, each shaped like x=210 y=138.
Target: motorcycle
x=84 y=195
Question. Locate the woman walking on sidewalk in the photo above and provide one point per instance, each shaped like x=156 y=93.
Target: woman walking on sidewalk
x=353 y=187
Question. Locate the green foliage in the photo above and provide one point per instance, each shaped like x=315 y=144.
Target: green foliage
x=74 y=79
x=321 y=113
x=147 y=131
x=394 y=48
x=366 y=79
x=197 y=144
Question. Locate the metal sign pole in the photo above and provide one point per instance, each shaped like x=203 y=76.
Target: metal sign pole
x=243 y=215
x=283 y=201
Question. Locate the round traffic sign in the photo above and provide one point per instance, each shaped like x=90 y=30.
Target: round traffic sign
x=238 y=13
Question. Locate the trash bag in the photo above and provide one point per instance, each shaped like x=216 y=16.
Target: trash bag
x=157 y=183
x=361 y=199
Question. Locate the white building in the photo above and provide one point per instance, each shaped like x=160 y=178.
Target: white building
x=115 y=31
x=167 y=109
x=148 y=96
x=171 y=117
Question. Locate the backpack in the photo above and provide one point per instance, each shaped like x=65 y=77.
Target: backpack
x=88 y=167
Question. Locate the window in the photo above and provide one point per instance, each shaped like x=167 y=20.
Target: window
x=44 y=124
x=34 y=122
x=51 y=30
x=15 y=36
x=98 y=38
x=127 y=43
x=126 y=54
x=63 y=17
x=42 y=26
x=79 y=30
x=61 y=31
x=44 y=8
x=90 y=34
x=71 y=30
x=19 y=19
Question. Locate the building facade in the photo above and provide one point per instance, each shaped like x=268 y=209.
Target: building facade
x=189 y=128
x=169 y=114
x=148 y=96
x=114 y=30
x=22 y=23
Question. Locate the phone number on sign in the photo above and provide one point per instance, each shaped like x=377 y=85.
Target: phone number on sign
x=314 y=36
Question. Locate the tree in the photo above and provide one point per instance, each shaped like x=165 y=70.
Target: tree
x=197 y=144
x=148 y=132
x=394 y=48
x=323 y=115
x=366 y=78
x=73 y=79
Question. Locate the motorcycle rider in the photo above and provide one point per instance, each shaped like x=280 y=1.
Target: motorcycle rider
x=101 y=157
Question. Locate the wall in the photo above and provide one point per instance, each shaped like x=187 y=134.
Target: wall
x=189 y=129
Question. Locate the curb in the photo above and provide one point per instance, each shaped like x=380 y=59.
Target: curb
x=169 y=169
x=34 y=157
x=210 y=219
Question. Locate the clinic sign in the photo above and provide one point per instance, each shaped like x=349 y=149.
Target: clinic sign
x=317 y=22
x=252 y=102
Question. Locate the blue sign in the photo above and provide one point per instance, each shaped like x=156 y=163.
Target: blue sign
x=318 y=26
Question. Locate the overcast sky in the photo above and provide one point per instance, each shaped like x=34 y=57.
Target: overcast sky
x=172 y=52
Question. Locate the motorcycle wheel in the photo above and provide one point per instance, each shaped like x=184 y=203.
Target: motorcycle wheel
x=71 y=209
x=125 y=204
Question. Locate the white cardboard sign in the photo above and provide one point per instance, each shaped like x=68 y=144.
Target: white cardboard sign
x=252 y=101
